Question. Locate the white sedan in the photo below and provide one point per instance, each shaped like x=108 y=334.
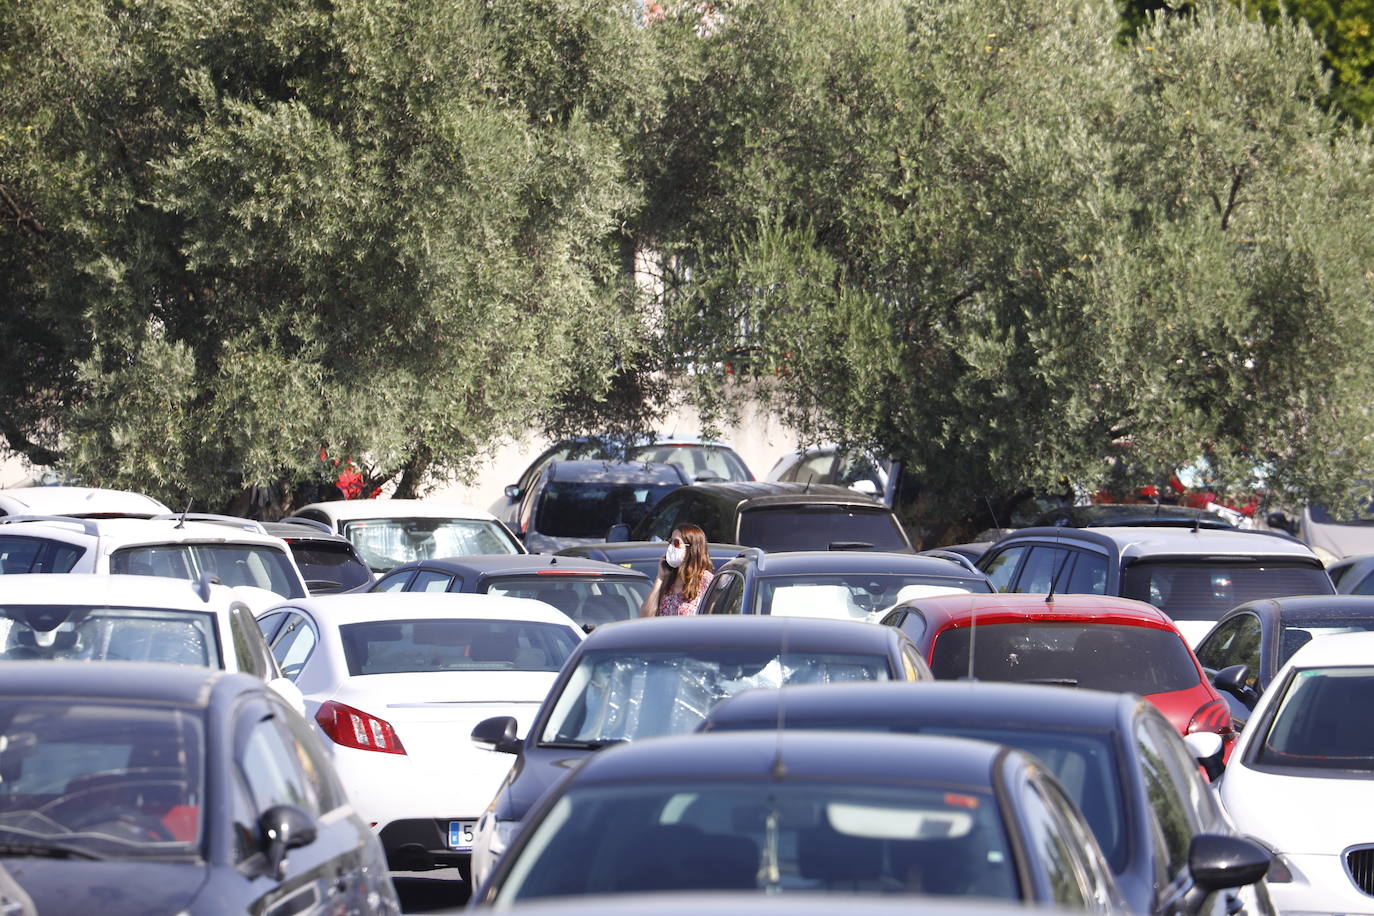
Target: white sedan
x=1301 y=779
x=395 y=682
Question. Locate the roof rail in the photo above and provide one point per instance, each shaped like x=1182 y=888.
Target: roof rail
x=952 y=556
x=757 y=554
x=89 y=526
x=247 y=524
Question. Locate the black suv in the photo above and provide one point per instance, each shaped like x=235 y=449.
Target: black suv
x=773 y=516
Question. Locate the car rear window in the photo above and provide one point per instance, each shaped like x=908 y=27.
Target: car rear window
x=1095 y=656
x=577 y=509
x=590 y=600
x=36 y=555
x=329 y=567
x=130 y=634
x=821 y=527
x=1206 y=590
x=395 y=646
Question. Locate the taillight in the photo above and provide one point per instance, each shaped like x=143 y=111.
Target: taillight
x=1214 y=716
x=355 y=728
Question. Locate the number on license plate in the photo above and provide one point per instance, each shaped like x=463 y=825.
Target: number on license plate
x=460 y=834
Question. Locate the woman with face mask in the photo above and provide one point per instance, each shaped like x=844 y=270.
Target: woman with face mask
x=683 y=574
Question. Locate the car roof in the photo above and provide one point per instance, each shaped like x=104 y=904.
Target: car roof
x=594 y=471
x=1002 y=607
x=518 y=564
x=1298 y=607
x=890 y=703
x=113 y=590
x=625 y=551
x=292 y=531
x=852 y=561
x=353 y=509
x=753 y=903
x=119 y=531
x=1345 y=649
x=808 y=634
x=862 y=757
x=78 y=501
x=361 y=607
x=756 y=493
x=187 y=685
x=1143 y=542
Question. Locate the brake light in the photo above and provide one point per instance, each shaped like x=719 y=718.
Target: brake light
x=1214 y=716
x=354 y=728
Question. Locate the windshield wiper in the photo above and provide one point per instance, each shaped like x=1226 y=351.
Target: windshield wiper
x=46 y=849
x=593 y=745
x=1056 y=681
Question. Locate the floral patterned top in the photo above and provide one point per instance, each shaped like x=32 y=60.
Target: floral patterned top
x=672 y=605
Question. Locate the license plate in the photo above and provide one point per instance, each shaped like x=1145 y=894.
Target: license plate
x=460 y=834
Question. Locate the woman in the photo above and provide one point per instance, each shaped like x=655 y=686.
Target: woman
x=683 y=574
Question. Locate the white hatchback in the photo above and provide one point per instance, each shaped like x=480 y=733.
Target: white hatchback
x=82 y=502
x=395 y=682
x=1301 y=779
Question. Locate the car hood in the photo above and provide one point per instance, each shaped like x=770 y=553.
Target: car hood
x=112 y=888
x=1277 y=809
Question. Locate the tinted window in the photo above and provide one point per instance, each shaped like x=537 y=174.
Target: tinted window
x=234 y=564
x=1236 y=643
x=1002 y=566
x=588 y=600
x=1089 y=574
x=1314 y=725
x=1043 y=565
x=392 y=647
x=1298 y=633
x=1094 y=656
x=1174 y=827
x=428 y=580
x=330 y=567
x=1206 y=591
x=34 y=555
x=274 y=770
x=112 y=634
x=569 y=508
x=723 y=595
x=1051 y=847
x=387 y=542
x=395 y=582
x=661 y=522
x=808 y=837
x=820 y=528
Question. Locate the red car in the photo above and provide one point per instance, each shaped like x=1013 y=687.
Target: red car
x=1091 y=641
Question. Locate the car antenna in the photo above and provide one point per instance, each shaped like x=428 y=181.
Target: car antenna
x=996 y=523
x=1049 y=596
x=181 y=522
x=972 y=631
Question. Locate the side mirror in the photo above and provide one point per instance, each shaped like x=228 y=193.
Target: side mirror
x=1281 y=521
x=1206 y=748
x=1232 y=680
x=618 y=534
x=513 y=491
x=1218 y=862
x=866 y=487
x=497 y=734
x=283 y=828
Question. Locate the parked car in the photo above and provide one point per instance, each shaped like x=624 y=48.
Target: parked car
x=389 y=532
x=136 y=619
x=1133 y=515
x=827 y=463
x=659 y=676
x=575 y=502
x=172 y=548
x=79 y=502
x=795 y=812
x=1194 y=576
x=1331 y=535
x=1353 y=575
x=395 y=682
x=842 y=584
x=1121 y=762
x=137 y=789
x=1303 y=773
x=1243 y=653
x=773 y=516
x=588 y=591
x=751 y=903
x=643 y=556
x=1095 y=642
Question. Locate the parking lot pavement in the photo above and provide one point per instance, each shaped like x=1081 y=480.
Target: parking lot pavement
x=439 y=891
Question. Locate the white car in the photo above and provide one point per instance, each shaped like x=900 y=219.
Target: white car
x=395 y=682
x=82 y=617
x=151 y=547
x=83 y=502
x=389 y=532
x=1301 y=778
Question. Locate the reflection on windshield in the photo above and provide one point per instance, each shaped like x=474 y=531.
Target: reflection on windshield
x=1319 y=722
x=114 y=780
x=387 y=542
x=855 y=596
x=623 y=697
x=84 y=633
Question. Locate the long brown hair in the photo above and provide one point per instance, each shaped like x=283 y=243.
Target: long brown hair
x=694 y=565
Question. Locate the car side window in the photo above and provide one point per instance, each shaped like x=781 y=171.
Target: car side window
x=273 y=770
x=1050 y=846
x=248 y=660
x=1238 y=643
x=815 y=469
x=1002 y=567
x=1366 y=586
x=428 y=580
x=394 y=582
x=270 y=623
x=294 y=645
x=1042 y=566
x=663 y=518
x=319 y=772
x=719 y=593
x=1090 y=865
x=1089 y=574
x=1173 y=829
x=1212 y=650
x=916 y=667
x=1198 y=800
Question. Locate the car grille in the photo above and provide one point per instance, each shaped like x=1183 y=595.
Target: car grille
x=1359 y=863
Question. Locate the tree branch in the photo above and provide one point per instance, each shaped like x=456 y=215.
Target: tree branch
x=20 y=217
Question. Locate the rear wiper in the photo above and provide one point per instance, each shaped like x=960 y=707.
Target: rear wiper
x=1056 y=681
x=850 y=545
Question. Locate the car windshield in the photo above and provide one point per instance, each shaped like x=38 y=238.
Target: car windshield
x=387 y=542
x=91 y=633
x=98 y=780
x=770 y=836
x=620 y=696
x=329 y=567
x=590 y=600
x=820 y=527
x=1205 y=591
x=257 y=565
x=1299 y=633
x=701 y=462
x=854 y=595
x=585 y=509
x=1314 y=727
x=395 y=646
x=1095 y=656
x=1362 y=514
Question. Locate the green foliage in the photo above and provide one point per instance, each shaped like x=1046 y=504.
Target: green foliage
x=252 y=227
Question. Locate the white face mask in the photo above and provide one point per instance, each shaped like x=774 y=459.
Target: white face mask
x=674 y=556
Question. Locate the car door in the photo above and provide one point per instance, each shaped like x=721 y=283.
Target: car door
x=273 y=767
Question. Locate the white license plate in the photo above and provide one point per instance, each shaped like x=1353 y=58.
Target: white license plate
x=460 y=834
